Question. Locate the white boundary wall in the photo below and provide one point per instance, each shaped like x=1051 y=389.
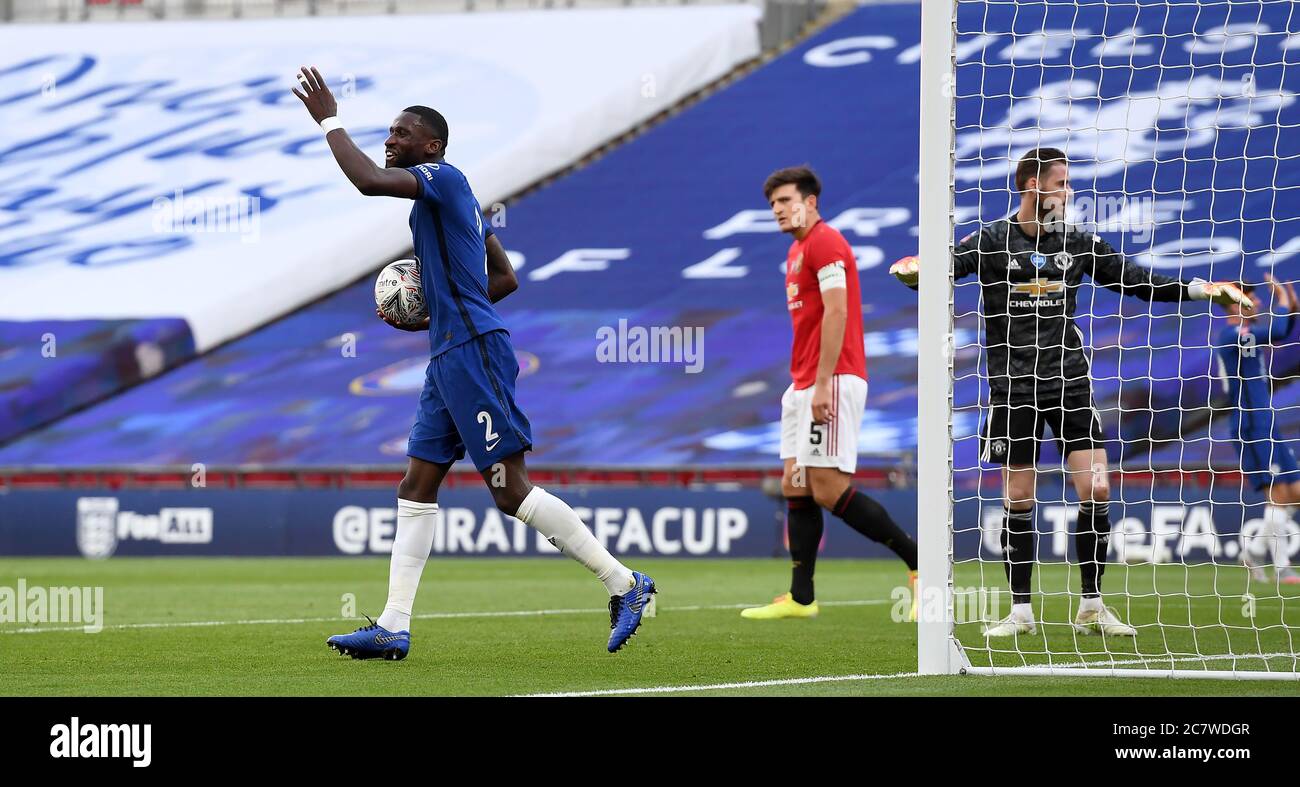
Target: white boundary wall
x=105 y=122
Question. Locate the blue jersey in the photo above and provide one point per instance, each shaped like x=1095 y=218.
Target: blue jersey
x=1245 y=376
x=450 y=243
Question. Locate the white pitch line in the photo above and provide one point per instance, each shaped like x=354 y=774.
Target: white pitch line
x=1153 y=661
x=521 y=613
x=751 y=684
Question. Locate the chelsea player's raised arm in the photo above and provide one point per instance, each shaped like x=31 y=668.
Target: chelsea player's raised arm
x=369 y=178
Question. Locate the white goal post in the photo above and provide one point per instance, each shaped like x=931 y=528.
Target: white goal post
x=1208 y=95
x=938 y=651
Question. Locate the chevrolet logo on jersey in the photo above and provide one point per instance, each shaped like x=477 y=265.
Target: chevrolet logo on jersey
x=1038 y=293
x=1039 y=287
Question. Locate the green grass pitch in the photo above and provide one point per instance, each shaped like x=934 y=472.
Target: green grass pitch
x=504 y=627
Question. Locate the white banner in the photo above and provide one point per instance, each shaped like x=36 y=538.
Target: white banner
x=165 y=170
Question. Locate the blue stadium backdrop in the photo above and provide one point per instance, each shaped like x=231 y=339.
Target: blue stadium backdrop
x=672 y=230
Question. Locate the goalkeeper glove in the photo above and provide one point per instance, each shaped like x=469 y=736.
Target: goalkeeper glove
x=907 y=270
x=1222 y=293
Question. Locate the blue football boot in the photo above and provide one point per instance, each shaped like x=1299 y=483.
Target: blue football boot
x=626 y=611
x=372 y=642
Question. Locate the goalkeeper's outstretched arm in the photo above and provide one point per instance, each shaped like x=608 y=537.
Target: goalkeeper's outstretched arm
x=1115 y=272
x=965 y=261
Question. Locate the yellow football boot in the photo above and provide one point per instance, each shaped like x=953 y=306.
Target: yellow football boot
x=781 y=607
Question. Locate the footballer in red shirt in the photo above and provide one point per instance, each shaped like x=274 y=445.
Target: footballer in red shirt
x=822 y=409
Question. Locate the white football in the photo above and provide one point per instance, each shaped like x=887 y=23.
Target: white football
x=398 y=293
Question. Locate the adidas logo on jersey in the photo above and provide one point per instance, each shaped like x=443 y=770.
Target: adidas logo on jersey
x=1013 y=265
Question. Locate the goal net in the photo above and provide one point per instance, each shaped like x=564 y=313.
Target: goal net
x=1181 y=125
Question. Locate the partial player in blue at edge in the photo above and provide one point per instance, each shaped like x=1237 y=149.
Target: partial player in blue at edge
x=1268 y=465
x=468 y=403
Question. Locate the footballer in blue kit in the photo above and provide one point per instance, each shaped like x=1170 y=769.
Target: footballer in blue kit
x=470 y=383
x=1268 y=463
x=468 y=402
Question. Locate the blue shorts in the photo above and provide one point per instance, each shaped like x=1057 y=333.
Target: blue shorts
x=468 y=403
x=1266 y=461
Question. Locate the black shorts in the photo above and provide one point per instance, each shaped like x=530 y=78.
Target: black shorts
x=1013 y=434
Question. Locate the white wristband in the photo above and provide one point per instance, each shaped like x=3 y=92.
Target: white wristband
x=331 y=123
x=1196 y=289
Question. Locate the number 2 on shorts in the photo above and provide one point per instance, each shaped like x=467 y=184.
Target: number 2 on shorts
x=490 y=437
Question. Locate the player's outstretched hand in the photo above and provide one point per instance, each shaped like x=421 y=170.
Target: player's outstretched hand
x=907 y=270
x=315 y=95
x=423 y=325
x=1283 y=294
x=1227 y=294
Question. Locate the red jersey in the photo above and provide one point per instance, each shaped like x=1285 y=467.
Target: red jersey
x=821 y=256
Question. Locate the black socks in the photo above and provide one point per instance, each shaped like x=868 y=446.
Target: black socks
x=1018 y=552
x=1091 y=542
x=871 y=519
x=804 y=528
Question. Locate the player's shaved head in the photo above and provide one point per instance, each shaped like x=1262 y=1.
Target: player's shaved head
x=803 y=178
x=1036 y=164
x=418 y=135
x=432 y=121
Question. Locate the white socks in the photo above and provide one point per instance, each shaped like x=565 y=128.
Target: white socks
x=411 y=545
x=1090 y=604
x=1023 y=612
x=549 y=515
x=1275 y=519
x=541 y=510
